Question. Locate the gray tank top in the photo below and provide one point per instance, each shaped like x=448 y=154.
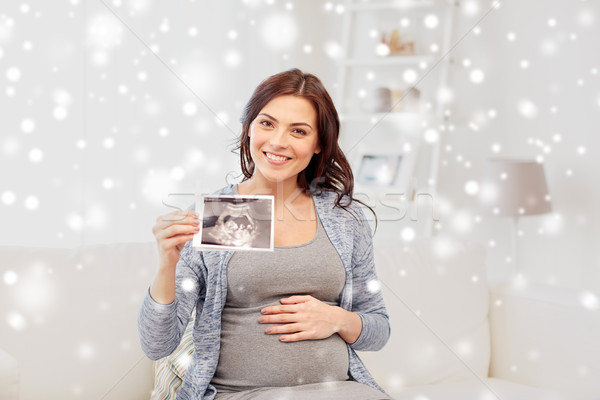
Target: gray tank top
x=249 y=358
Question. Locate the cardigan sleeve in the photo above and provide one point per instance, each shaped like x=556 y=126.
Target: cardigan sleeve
x=160 y=326
x=367 y=299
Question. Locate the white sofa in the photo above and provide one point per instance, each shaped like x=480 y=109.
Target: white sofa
x=69 y=321
x=456 y=336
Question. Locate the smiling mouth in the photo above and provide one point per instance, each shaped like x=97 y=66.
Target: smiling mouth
x=276 y=158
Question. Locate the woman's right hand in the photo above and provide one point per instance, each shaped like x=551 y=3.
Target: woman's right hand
x=172 y=231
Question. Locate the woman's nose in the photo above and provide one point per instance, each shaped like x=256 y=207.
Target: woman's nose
x=279 y=138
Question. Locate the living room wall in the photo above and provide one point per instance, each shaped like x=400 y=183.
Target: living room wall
x=114 y=109
x=539 y=99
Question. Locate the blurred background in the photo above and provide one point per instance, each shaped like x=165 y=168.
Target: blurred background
x=113 y=112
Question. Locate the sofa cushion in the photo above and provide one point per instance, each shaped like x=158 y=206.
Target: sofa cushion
x=169 y=371
x=9 y=377
x=437 y=298
x=545 y=336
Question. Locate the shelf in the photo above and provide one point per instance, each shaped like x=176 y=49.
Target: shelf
x=387 y=61
x=391 y=5
x=389 y=129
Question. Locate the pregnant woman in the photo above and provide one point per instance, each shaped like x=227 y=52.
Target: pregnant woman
x=281 y=324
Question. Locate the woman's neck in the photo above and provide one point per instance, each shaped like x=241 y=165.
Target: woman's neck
x=281 y=190
x=286 y=193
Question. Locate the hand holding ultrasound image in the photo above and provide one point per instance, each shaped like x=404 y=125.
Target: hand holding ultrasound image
x=235 y=222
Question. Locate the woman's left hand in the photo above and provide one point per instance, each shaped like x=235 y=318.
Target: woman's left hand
x=303 y=318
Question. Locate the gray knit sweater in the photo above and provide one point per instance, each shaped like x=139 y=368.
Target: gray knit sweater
x=161 y=326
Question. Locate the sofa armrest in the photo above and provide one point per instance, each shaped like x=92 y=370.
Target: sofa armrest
x=545 y=336
x=9 y=377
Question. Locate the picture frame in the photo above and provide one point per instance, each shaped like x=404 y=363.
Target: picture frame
x=235 y=222
x=381 y=173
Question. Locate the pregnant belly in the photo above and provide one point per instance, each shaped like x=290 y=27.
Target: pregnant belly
x=249 y=358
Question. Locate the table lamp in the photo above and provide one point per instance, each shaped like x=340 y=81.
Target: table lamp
x=514 y=188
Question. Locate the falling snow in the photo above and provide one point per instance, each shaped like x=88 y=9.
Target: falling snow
x=374 y=286
x=106 y=117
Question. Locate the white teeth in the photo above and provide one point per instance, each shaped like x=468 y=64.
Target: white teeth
x=275 y=158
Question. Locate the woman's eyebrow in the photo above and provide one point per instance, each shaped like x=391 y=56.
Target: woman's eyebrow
x=293 y=124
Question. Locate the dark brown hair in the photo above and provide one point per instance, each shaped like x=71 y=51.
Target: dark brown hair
x=329 y=170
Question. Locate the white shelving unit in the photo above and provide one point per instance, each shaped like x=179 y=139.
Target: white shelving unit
x=440 y=72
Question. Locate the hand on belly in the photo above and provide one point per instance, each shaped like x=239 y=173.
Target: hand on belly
x=302 y=318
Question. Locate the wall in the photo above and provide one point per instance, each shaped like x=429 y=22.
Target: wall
x=109 y=108
x=539 y=99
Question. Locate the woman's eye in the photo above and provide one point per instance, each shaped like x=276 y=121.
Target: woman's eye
x=299 y=131
x=266 y=123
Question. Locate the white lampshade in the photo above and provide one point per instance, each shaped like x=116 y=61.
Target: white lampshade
x=513 y=187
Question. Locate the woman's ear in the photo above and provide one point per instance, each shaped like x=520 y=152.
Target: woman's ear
x=318 y=149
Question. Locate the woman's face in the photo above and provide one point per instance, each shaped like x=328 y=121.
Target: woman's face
x=283 y=139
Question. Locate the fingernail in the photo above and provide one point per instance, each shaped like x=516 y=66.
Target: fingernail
x=263 y=310
x=261 y=319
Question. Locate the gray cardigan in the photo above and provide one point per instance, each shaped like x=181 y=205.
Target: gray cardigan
x=161 y=326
